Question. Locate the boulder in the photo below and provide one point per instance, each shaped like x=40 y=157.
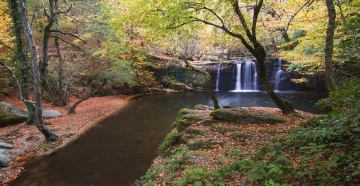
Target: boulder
x=10 y=114
x=4 y=154
x=51 y=114
x=4 y=158
x=185 y=119
x=245 y=117
x=4 y=145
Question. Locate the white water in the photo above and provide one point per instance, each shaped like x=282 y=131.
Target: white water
x=218 y=77
x=278 y=74
x=248 y=82
x=238 y=76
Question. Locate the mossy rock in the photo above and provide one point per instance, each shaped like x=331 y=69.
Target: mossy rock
x=171 y=139
x=245 y=117
x=226 y=115
x=207 y=122
x=202 y=107
x=261 y=115
x=185 y=118
x=10 y=114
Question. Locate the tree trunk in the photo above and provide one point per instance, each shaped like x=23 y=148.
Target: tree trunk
x=61 y=101
x=285 y=106
x=329 y=46
x=208 y=82
x=21 y=58
x=72 y=108
x=274 y=44
x=49 y=136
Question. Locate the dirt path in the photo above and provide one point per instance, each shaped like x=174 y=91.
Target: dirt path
x=28 y=140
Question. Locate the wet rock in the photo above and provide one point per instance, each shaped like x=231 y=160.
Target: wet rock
x=13 y=154
x=4 y=158
x=4 y=145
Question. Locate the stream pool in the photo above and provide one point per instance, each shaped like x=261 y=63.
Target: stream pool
x=120 y=148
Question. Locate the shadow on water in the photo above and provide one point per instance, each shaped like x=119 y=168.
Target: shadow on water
x=119 y=149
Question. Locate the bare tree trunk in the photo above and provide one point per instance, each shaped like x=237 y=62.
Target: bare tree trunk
x=24 y=66
x=61 y=97
x=208 y=82
x=329 y=46
x=49 y=136
x=72 y=108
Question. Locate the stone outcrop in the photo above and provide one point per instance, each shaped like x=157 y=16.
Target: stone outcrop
x=10 y=114
x=242 y=116
x=4 y=154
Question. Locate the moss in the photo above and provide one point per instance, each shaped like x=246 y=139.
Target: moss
x=196 y=131
x=226 y=115
x=170 y=139
x=202 y=107
x=185 y=119
x=8 y=118
x=207 y=122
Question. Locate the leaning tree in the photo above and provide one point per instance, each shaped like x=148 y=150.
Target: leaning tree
x=237 y=19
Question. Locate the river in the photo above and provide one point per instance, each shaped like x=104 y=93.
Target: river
x=119 y=149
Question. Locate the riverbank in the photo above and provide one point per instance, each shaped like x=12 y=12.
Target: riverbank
x=203 y=149
x=29 y=142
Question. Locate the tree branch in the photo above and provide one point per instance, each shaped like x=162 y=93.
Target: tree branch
x=66 y=33
x=17 y=83
x=255 y=17
x=7 y=46
x=242 y=20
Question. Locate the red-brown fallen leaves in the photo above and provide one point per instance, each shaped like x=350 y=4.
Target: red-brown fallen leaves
x=86 y=112
x=225 y=138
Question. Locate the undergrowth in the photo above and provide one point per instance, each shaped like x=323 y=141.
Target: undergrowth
x=323 y=151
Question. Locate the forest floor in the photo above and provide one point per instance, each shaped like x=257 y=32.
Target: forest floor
x=29 y=142
x=206 y=152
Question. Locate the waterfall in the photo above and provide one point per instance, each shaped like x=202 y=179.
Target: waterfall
x=238 y=76
x=218 y=77
x=246 y=76
x=278 y=75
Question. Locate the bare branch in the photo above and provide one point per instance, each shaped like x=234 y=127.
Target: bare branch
x=17 y=83
x=7 y=46
x=66 y=33
x=43 y=4
x=242 y=20
x=255 y=17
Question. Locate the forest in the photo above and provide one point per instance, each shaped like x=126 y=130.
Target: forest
x=60 y=54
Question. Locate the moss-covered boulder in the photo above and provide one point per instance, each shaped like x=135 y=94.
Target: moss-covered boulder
x=185 y=118
x=10 y=114
x=203 y=107
x=226 y=115
x=242 y=116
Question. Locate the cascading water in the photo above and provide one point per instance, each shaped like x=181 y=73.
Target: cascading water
x=246 y=76
x=238 y=76
x=218 y=77
x=278 y=74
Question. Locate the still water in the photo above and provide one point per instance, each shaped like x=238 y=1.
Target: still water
x=119 y=149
